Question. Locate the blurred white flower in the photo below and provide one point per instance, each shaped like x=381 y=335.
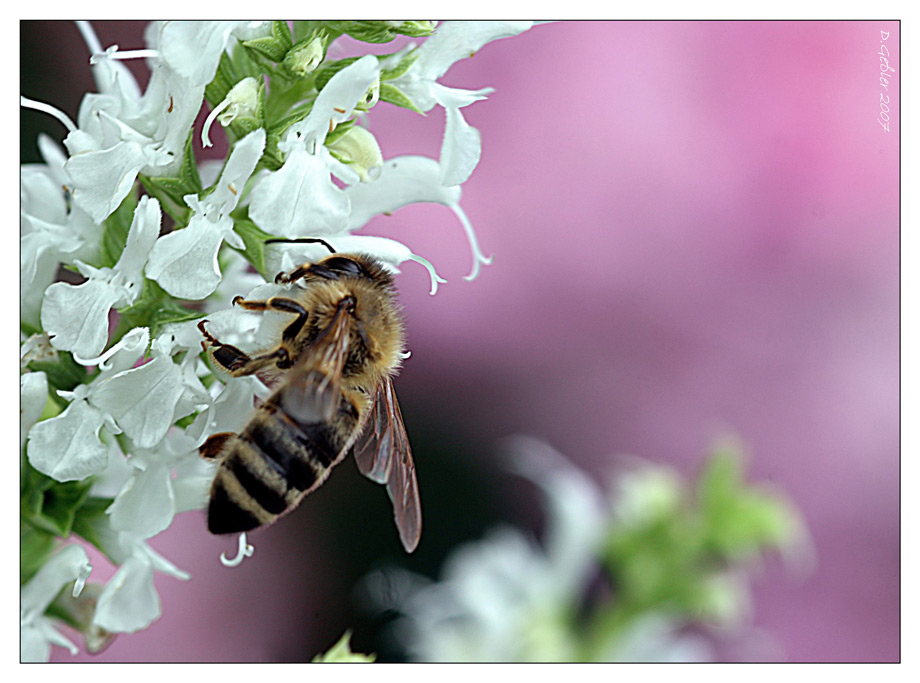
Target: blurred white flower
x=36 y=632
x=504 y=598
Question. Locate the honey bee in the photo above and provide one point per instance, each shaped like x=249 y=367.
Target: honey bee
x=331 y=375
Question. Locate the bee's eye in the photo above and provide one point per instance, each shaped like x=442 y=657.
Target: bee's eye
x=344 y=265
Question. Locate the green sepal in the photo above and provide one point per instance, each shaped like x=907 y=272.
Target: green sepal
x=50 y=505
x=272 y=158
x=339 y=131
x=390 y=93
x=154 y=308
x=274 y=46
x=92 y=523
x=254 y=240
x=115 y=230
x=63 y=373
x=381 y=31
x=35 y=547
x=169 y=192
x=404 y=65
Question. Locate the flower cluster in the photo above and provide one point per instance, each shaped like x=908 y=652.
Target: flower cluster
x=116 y=395
x=620 y=576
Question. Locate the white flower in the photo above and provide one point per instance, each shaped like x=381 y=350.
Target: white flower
x=194 y=48
x=33 y=394
x=452 y=41
x=122 y=134
x=184 y=262
x=410 y=180
x=300 y=199
x=37 y=634
x=51 y=230
x=142 y=402
x=77 y=316
x=502 y=599
x=129 y=602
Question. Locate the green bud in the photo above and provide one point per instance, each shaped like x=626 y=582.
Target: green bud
x=302 y=59
x=358 y=148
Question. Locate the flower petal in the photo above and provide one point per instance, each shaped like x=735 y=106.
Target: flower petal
x=143 y=400
x=184 y=262
x=299 y=199
x=145 y=228
x=145 y=505
x=33 y=394
x=77 y=316
x=102 y=179
x=129 y=602
x=67 y=447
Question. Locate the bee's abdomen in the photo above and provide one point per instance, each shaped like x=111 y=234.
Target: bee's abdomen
x=267 y=469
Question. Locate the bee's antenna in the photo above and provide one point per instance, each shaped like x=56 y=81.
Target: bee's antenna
x=301 y=240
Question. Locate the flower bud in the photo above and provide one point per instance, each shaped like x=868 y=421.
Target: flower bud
x=359 y=149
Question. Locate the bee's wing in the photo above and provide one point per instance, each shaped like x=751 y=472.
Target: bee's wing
x=383 y=455
x=312 y=390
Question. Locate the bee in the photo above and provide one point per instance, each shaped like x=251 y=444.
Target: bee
x=332 y=380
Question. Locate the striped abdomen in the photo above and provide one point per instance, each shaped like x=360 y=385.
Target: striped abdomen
x=272 y=464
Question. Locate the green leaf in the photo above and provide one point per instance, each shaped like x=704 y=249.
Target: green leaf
x=169 y=192
x=390 y=93
x=115 y=230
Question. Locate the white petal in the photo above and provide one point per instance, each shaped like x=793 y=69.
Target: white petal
x=240 y=165
x=408 y=180
x=456 y=40
x=77 y=316
x=68 y=564
x=460 y=150
x=67 y=446
x=184 y=262
x=142 y=401
x=194 y=48
x=403 y=180
x=129 y=601
x=145 y=228
x=299 y=199
x=336 y=101
x=33 y=394
x=145 y=505
x=102 y=179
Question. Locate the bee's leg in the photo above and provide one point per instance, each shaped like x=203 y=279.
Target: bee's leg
x=238 y=363
x=227 y=356
x=279 y=304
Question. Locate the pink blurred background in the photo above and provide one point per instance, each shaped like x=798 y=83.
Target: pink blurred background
x=695 y=228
